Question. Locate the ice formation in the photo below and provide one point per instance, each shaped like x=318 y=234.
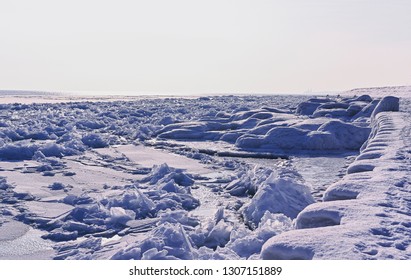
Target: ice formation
x=366 y=215
x=207 y=178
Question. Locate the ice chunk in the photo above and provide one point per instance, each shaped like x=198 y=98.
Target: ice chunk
x=248 y=181
x=145 y=204
x=93 y=214
x=78 y=250
x=77 y=200
x=177 y=217
x=119 y=215
x=247 y=243
x=135 y=200
x=165 y=174
x=56 y=186
x=94 y=141
x=277 y=195
x=81 y=228
x=168 y=241
x=133 y=253
x=157 y=173
x=18 y=151
x=273 y=224
x=55 y=150
x=171 y=186
x=219 y=235
x=61 y=235
x=4 y=185
x=214 y=232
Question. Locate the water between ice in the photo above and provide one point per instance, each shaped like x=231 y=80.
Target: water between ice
x=318 y=171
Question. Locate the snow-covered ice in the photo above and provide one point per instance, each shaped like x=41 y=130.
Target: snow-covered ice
x=366 y=215
x=219 y=177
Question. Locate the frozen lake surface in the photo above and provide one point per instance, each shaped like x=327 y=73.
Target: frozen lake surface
x=218 y=177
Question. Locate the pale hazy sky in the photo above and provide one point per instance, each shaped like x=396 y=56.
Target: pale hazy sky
x=213 y=46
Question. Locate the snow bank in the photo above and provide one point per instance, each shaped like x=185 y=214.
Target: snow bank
x=365 y=215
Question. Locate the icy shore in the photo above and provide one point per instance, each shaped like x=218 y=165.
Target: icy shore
x=219 y=177
x=366 y=215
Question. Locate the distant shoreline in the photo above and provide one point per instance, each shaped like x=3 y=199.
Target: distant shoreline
x=30 y=97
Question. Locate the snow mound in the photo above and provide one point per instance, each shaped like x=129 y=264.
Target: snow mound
x=332 y=125
x=332 y=135
x=387 y=104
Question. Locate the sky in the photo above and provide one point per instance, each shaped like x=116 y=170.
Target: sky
x=213 y=46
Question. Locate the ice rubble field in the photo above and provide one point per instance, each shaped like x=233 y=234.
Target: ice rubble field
x=206 y=178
